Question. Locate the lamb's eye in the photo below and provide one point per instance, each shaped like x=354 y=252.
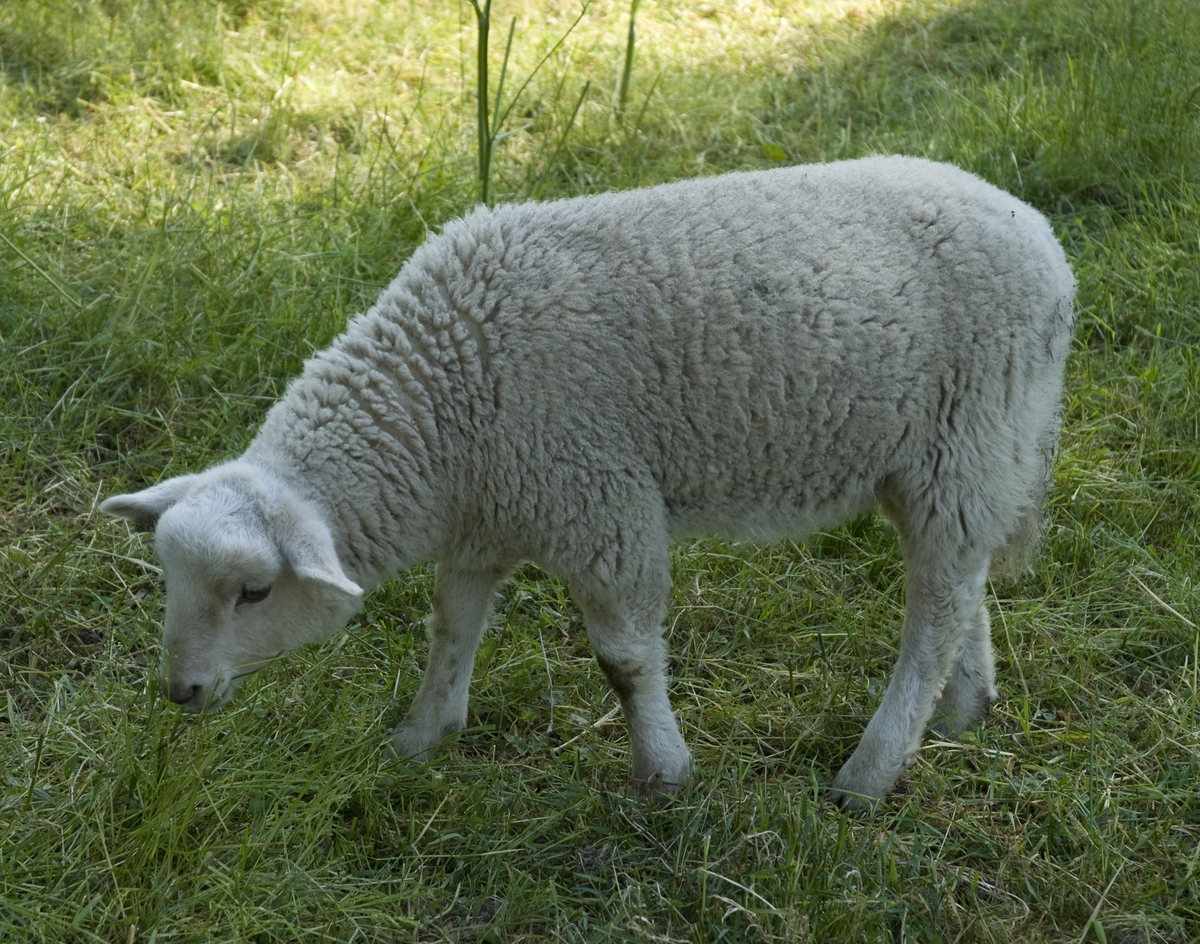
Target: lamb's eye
x=253 y=594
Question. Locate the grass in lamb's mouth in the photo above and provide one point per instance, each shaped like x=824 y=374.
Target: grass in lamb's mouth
x=194 y=197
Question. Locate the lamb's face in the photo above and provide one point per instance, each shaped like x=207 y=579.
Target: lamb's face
x=249 y=575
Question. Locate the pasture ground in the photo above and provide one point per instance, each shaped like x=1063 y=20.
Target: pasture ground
x=193 y=197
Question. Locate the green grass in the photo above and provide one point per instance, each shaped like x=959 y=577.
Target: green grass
x=195 y=196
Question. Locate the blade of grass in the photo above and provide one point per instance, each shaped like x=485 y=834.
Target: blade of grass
x=627 y=71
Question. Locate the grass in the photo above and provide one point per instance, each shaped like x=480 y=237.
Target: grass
x=193 y=197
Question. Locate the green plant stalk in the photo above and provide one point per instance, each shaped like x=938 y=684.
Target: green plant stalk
x=627 y=72
x=483 y=19
x=497 y=118
x=489 y=131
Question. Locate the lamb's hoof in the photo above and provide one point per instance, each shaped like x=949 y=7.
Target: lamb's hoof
x=951 y=728
x=956 y=722
x=863 y=791
x=411 y=746
x=858 y=803
x=666 y=780
x=653 y=788
x=948 y=727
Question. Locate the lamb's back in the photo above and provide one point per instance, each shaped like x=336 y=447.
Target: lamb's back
x=765 y=348
x=763 y=344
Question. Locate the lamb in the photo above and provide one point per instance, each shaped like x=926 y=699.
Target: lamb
x=755 y=355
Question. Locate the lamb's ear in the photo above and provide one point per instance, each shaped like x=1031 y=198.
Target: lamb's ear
x=307 y=546
x=144 y=508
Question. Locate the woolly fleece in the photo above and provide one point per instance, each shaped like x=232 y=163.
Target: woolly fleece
x=755 y=355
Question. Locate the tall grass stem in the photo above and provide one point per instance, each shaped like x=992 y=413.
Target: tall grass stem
x=483 y=20
x=627 y=72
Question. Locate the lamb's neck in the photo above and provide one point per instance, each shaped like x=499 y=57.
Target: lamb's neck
x=369 y=492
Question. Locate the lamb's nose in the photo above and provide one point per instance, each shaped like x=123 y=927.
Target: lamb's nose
x=181 y=694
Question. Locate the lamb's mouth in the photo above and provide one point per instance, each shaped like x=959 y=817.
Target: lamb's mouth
x=220 y=694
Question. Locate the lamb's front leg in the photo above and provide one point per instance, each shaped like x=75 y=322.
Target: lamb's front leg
x=944 y=600
x=625 y=629
x=461 y=602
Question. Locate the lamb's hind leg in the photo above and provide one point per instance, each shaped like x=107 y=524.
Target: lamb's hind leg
x=461 y=602
x=625 y=629
x=971 y=686
x=943 y=603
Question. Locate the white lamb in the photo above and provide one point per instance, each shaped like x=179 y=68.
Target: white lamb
x=753 y=355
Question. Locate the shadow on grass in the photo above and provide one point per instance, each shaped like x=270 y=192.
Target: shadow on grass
x=1063 y=104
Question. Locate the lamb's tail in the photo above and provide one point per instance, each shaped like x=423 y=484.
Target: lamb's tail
x=1014 y=554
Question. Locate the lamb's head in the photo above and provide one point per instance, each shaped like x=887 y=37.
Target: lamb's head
x=251 y=573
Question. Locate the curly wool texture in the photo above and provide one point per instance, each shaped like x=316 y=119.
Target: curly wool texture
x=758 y=354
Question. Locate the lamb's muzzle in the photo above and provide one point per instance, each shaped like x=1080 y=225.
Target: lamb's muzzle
x=190 y=697
x=756 y=355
